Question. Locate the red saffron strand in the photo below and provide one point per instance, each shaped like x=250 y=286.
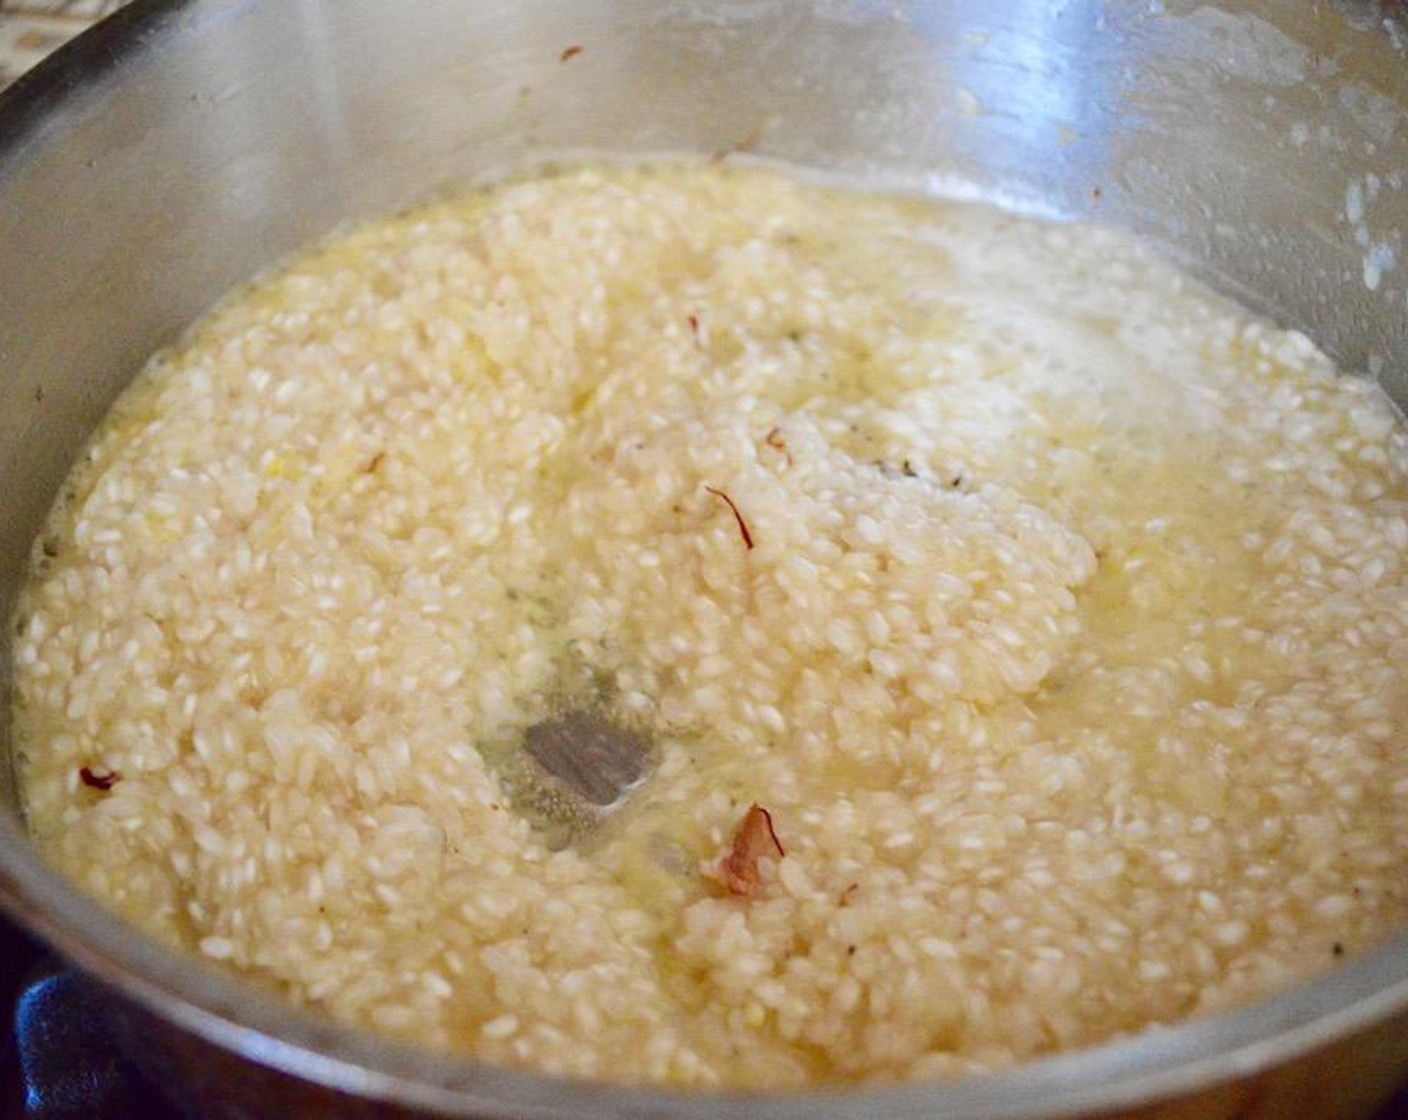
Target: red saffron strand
x=570 y=53
x=737 y=516
x=774 y=440
x=772 y=832
x=103 y=782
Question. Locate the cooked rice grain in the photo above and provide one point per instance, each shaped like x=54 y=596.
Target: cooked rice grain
x=1065 y=645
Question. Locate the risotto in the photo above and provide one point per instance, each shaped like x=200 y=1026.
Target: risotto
x=1018 y=630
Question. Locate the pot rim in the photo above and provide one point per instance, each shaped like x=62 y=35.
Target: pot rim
x=232 y=1014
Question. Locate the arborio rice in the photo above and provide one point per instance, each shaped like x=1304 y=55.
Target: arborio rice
x=1053 y=608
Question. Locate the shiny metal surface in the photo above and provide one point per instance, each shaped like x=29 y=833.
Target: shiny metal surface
x=184 y=144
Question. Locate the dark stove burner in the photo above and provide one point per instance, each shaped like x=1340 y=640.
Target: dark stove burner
x=69 y=1066
x=57 y=1063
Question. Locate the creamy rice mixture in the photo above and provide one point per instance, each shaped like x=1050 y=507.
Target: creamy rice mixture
x=1054 y=608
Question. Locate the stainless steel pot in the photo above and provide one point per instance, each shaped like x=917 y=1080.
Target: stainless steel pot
x=184 y=144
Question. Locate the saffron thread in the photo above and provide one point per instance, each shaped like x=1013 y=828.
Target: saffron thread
x=737 y=516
